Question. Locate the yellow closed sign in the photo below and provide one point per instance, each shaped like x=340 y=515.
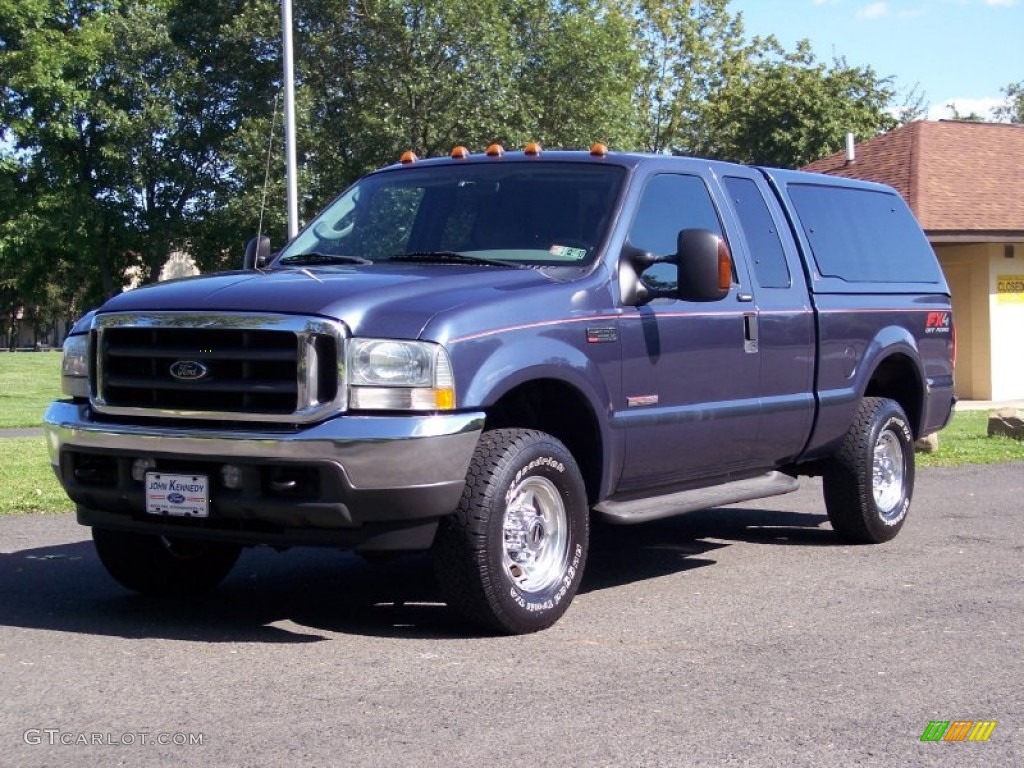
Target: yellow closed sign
x=1010 y=289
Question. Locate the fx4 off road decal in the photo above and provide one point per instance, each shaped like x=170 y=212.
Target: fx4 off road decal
x=937 y=322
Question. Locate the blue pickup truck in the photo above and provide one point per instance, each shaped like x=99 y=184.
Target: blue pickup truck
x=477 y=355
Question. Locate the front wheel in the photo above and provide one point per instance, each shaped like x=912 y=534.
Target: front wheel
x=869 y=482
x=510 y=559
x=163 y=566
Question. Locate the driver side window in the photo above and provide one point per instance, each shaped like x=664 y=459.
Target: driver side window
x=670 y=202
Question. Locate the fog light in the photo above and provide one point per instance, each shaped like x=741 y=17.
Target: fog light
x=231 y=476
x=140 y=467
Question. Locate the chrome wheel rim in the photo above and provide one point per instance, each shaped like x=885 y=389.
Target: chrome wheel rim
x=536 y=535
x=888 y=470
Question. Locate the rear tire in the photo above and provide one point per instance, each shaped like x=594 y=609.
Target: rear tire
x=162 y=566
x=869 y=482
x=511 y=558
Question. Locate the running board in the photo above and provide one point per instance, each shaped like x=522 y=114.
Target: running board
x=657 y=507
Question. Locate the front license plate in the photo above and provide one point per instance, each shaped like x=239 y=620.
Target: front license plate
x=177 y=495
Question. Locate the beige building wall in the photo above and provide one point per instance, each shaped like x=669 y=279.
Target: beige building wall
x=1006 y=308
x=967 y=269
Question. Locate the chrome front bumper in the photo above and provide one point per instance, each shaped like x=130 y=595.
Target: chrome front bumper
x=369 y=471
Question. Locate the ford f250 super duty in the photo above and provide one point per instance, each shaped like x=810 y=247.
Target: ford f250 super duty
x=477 y=354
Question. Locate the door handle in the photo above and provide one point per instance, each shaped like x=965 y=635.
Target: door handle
x=750 y=332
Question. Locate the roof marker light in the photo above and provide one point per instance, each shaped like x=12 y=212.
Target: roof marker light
x=459 y=153
x=599 y=150
x=495 y=150
x=408 y=157
x=532 y=149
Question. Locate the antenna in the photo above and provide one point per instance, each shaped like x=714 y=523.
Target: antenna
x=266 y=175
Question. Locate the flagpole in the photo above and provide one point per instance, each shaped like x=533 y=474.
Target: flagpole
x=289 y=119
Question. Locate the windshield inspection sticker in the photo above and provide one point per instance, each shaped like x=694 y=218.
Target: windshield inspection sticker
x=567 y=252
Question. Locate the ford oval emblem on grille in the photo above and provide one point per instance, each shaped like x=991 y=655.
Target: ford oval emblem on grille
x=188 y=370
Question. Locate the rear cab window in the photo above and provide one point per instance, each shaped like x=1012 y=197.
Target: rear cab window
x=767 y=254
x=862 y=235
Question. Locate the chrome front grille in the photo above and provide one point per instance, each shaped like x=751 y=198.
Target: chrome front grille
x=225 y=366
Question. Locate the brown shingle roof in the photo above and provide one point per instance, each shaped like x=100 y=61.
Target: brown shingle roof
x=958 y=177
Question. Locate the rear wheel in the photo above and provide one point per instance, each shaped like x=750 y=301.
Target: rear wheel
x=511 y=557
x=161 y=565
x=869 y=482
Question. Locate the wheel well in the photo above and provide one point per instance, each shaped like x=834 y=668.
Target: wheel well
x=897 y=378
x=563 y=412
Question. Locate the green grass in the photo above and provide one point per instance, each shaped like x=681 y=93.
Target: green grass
x=28 y=382
x=966 y=441
x=27 y=484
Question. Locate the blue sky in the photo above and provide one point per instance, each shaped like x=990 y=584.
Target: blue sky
x=955 y=51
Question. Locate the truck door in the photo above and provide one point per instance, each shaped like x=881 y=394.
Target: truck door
x=785 y=322
x=690 y=378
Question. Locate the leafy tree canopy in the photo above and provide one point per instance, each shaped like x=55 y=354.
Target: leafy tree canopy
x=131 y=128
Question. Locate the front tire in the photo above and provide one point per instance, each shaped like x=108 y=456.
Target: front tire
x=511 y=558
x=869 y=483
x=162 y=566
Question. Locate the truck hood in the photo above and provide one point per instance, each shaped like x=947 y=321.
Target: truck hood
x=380 y=300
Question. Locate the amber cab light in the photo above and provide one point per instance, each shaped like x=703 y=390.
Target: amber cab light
x=495 y=150
x=408 y=157
x=532 y=149
x=460 y=153
x=599 y=150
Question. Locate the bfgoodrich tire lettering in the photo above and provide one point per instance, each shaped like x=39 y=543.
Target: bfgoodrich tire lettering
x=869 y=483
x=162 y=566
x=511 y=557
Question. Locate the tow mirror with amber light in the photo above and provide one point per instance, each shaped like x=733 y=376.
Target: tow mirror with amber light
x=705 y=266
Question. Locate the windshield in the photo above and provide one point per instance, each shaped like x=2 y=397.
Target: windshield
x=500 y=214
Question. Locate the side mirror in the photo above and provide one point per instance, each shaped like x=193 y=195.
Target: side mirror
x=705 y=266
x=633 y=262
x=257 y=251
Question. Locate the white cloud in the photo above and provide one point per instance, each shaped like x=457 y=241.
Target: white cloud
x=873 y=11
x=1003 y=3
x=944 y=109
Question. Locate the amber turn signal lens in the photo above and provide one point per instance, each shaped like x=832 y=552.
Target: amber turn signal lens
x=724 y=266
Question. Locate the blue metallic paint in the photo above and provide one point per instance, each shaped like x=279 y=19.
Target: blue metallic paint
x=719 y=410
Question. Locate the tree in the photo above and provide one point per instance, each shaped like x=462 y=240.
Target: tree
x=120 y=113
x=131 y=128
x=688 y=51
x=788 y=108
x=378 y=77
x=1013 y=110
x=966 y=117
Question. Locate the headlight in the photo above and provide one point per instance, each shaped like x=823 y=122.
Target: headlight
x=74 y=367
x=388 y=374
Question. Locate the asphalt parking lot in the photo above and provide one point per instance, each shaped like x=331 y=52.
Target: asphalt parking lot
x=741 y=636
